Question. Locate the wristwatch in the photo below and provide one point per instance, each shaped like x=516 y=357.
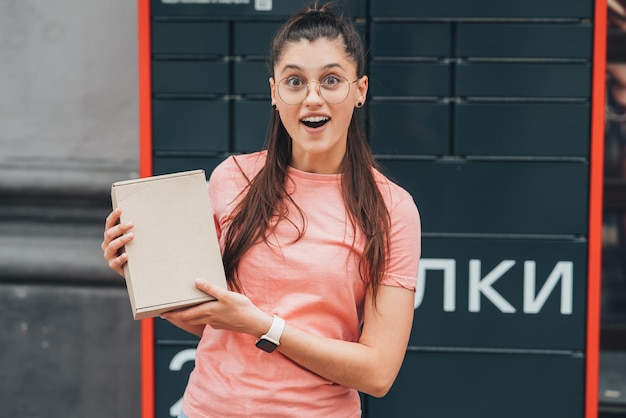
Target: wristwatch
x=270 y=341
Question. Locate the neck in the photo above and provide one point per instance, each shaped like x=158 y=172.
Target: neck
x=321 y=164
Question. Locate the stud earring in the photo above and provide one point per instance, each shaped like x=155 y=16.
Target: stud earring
x=359 y=104
x=274 y=106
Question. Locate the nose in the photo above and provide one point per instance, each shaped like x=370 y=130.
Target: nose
x=313 y=94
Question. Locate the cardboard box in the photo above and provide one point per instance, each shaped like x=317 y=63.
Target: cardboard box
x=175 y=241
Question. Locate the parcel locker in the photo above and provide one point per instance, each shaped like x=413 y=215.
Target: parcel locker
x=490 y=114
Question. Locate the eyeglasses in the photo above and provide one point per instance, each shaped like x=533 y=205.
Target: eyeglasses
x=333 y=89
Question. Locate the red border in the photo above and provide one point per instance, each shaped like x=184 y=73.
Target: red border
x=147 y=368
x=596 y=185
x=595 y=204
x=145 y=90
x=145 y=170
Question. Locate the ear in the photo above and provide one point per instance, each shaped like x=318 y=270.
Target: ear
x=273 y=90
x=362 y=86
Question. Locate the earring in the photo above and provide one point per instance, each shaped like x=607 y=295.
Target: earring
x=359 y=104
x=274 y=106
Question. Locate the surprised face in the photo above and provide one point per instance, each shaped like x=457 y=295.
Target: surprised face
x=315 y=89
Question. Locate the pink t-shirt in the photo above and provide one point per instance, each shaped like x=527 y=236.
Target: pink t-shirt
x=313 y=284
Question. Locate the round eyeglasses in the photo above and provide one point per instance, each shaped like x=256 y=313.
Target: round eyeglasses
x=332 y=88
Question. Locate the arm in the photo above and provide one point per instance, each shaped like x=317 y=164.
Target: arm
x=372 y=364
x=369 y=365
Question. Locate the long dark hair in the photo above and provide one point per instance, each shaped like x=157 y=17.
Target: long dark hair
x=266 y=201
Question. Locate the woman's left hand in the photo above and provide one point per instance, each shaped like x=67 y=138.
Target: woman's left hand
x=230 y=311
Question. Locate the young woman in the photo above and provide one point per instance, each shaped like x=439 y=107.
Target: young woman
x=320 y=249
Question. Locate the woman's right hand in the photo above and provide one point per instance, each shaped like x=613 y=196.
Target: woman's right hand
x=116 y=235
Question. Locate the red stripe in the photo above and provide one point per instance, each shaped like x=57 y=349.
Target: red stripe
x=596 y=183
x=145 y=90
x=147 y=368
x=145 y=170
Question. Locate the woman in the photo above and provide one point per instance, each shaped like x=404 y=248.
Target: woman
x=320 y=249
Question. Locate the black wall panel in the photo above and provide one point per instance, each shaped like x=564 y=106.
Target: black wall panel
x=187 y=38
x=253 y=38
x=164 y=164
x=482 y=9
x=524 y=40
x=190 y=125
x=257 y=9
x=402 y=39
x=251 y=122
x=506 y=79
x=190 y=77
x=252 y=78
x=174 y=363
x=398 y=79
x=522 y=129
x=496 y=197
x=395 y=125
x=489 y=384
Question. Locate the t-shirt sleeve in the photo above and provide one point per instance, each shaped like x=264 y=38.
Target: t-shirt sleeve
x=404 y=245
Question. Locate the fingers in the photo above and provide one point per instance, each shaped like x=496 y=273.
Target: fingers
x=116 y=236
x=114 y=248
x=113 y=230
x=210 y=289
x=117 y=264
x=188 y=314
x=113 y=218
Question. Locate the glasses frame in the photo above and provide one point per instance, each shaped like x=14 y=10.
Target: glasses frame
x=319 y=90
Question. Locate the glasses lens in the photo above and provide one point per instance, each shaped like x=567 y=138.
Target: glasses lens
x=332 y=89
x=292 y=90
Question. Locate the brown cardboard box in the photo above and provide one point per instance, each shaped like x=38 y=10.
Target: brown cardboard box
x=175 y=241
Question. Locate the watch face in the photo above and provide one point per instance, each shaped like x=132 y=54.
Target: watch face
x=266 y=345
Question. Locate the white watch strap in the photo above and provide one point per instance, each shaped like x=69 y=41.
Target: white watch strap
x=276 y=331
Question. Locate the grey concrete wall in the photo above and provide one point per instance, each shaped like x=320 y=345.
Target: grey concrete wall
x=68 y=129
x=68 y=80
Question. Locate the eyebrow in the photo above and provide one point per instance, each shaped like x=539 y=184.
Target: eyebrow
x=298 y=68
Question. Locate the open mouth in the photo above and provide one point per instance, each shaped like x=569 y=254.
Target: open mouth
x=315 y=121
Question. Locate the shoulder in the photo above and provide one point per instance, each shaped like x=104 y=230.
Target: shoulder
x=242 y=166
x=393 y=194
x=231 y=177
